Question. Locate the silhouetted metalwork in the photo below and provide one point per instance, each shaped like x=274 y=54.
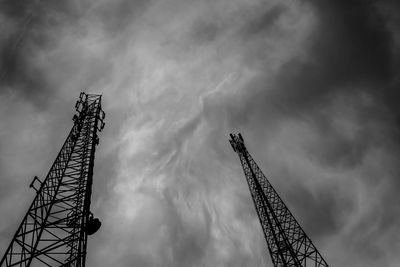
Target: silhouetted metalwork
x=54 y=230
x=287 y=243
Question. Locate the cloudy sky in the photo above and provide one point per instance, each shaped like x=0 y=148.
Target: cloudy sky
x=313 y=86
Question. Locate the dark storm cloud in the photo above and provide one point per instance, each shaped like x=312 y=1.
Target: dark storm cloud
x=352 y=53
x=355 y=35
x=351 y=46
x=31 y=27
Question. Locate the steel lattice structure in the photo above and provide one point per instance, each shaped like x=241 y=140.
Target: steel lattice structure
x=287 y=243
x=54 y=230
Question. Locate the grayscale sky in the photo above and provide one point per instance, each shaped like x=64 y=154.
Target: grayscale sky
x=313 y=86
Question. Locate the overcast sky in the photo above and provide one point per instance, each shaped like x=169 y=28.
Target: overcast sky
x=312 y=85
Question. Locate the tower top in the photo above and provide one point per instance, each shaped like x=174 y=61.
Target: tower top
x=237 y=142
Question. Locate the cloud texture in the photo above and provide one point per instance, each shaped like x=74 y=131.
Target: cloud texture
x=312 y=85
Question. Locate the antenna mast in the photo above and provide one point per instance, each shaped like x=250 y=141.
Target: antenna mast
x=287 y=243
x=55 y=228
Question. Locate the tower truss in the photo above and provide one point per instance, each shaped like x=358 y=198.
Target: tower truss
x=287 y=243
x=55 y=228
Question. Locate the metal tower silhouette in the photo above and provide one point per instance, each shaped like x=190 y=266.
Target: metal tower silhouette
x=54 y=230
x=287 y=243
